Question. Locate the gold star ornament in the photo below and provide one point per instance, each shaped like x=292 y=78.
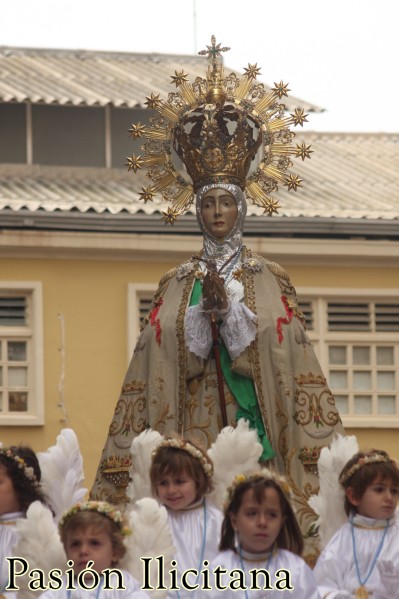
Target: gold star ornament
x=170 y=216
x=252 y=71
x=134 y=162
x=281 y=89
x=137 y=130
x=299 y=117
x=293 y=182
x=147 y=194
x=153 y=101
x=272 y=207
x=179 y=78
x=303 y=150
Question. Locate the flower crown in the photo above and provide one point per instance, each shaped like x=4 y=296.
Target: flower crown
x=363 y=461
x=185 y=445
x=27 y=471
x=101 y=507
x=252 y=477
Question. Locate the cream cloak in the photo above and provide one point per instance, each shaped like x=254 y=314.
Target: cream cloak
x=170 y=389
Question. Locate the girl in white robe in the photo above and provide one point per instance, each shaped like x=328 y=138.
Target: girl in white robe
x=19 y=487
x=181 y=476
x=362 y=558
x=261 y=543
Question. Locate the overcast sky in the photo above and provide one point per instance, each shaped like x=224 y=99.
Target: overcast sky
x=339 y=54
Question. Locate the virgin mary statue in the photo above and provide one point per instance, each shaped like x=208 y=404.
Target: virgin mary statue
x=225 y=338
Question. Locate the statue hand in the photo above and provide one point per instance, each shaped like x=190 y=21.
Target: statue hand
x=214 y=295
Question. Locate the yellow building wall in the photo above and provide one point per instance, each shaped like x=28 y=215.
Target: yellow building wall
x=92 y=297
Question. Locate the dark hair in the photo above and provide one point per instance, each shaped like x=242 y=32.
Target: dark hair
x=101 y=523
x=290 y=535
x=177 y=461
x=26 y=490
x=366 y=474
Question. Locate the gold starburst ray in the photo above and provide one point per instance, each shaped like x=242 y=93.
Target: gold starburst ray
x=164 y=182
x=188 y=94
x=272 y=171
x=170 y=113
x=283 y=149
x=156 y=133
x=264 y=103
x=183 y=200
x=243 y=88
x=154 y=159
x=258 y=194
x=279 y=124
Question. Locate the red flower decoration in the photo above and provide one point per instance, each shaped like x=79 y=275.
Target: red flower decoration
x=155 y=322
x=281 y=321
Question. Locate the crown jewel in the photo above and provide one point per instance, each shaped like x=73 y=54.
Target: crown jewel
x=217 y=126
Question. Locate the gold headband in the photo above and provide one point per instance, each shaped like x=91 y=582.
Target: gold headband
x=22 y=465
x=191 y=449
x=101 y=507
x=364 y=461
x=253 y=477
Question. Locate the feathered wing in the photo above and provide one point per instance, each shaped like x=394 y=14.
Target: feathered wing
x=235 y=450
x=329 y=503
x=39 y=543
x=141 y=450
x=62 y=472
x=151 y=538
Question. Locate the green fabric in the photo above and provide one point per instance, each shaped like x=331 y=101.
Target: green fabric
x=242 y=388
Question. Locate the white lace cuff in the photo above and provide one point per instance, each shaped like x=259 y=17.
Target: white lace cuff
x=238 y=329
x=198 y=331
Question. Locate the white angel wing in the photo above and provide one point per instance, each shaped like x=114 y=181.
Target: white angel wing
x=151 y=538
x=329 y=503
x=39 y=543
x=62 y=472
x=235 y=450
x=141 y=449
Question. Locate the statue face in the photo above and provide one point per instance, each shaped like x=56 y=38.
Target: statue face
x=219 y=212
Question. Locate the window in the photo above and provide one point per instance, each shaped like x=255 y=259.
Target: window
x=21 y=354
x=139 y=303
x=13 y=133
x=357 y=342
x=68 y=135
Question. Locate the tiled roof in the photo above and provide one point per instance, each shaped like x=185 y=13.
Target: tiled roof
x=349 y=176
x=83 y=77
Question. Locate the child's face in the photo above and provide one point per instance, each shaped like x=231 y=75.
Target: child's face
x=81 y=546
x=8 y=498
x=379 y=500
x=176 y=491
x=258 y=524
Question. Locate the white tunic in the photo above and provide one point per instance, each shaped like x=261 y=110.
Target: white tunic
x=189 y=534
x=133 y=590
x=8 y=538
x=336 y=569
x=301 y=576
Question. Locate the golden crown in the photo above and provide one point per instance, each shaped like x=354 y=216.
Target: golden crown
x=217 y=125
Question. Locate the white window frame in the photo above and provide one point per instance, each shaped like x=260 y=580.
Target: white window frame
x=135 y=291
x=34 y=330
x=320 y=337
